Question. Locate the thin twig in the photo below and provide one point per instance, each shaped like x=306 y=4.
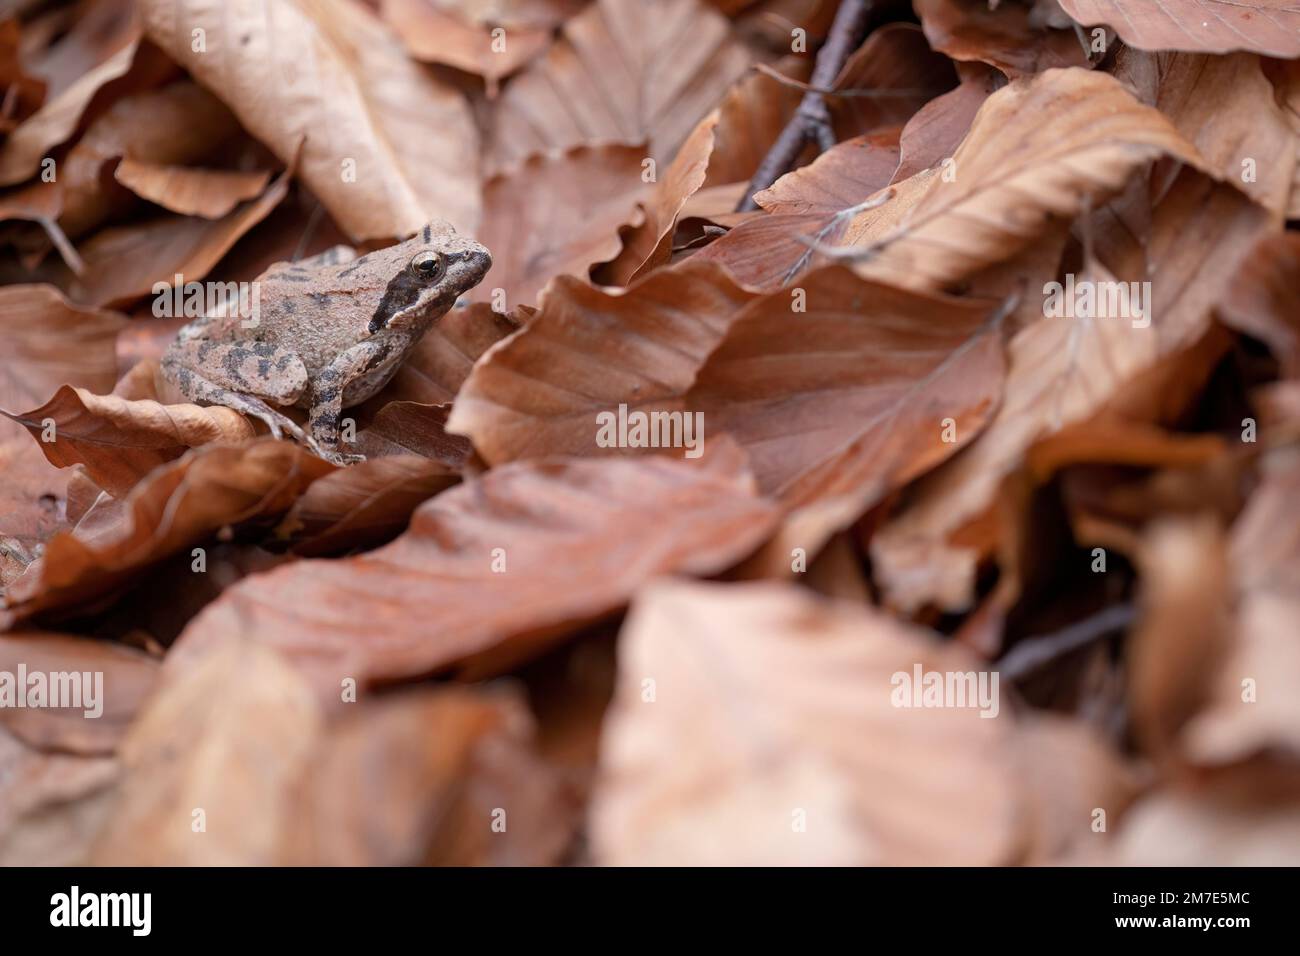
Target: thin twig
x=1031 y=655
x=308 y=231
x=856 y=92
x=818 y=239
x=1083 y=40
x=811 y=120
x=66 y=249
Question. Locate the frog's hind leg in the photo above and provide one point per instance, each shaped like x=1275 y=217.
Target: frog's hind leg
x=242 y=376
x=258 y=369
x=200 y=391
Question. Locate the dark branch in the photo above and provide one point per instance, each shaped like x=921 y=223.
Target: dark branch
x=812 y=119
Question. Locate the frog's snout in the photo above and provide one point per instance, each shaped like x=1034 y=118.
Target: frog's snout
x=479 y=261
x=467 y=266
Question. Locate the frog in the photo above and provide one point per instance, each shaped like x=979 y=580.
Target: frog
x=329 y=332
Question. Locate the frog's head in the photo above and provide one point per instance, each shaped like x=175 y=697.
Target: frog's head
x=429 y=272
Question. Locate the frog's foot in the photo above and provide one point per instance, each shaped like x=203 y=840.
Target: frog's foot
x=340 y=457
x=278 y=423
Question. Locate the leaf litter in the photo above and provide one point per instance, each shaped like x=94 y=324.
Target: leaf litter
x=875 y=441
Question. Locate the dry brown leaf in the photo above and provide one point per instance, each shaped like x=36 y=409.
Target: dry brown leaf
x=387 y=147
x=1264 y=299
x=1286 y=79
x=209 y=193
x=28 y=91
x=1109 y=440
x=144 y=342
x=56 y=121
x=557 y=214
x=1063 y=370
x=756 y=724
x=120 y=441
x=518 y=13
x=412 y=428
x=63 y=46
x=750 y=117
x=126 y=262
x=889 y=420
x=139 y=611
x=1224 y=106
x=569 y=691
x=714 y=205
x=837 y=573
x=442 y=360
x=1199 y=234
x=226 y=739
x=1180 y=641
x=297 y=229
x=174 y=507
x=863 y=391
x=46 y=342
x=1271 y=27
x=457 y=781
x=239 y=738
x=181 y=123
x=871 y=379
x=802 y=760
x=936 y=130
x=437 y=36
x=802 y=535
x=36 y=201
x=51 y=805
x=623 y=72
x=898 y=73
x=837 y=179
x=123 y=679
x=575 y=539
x=1005 y=36
x=841 y=354
x=883 y=83
x=812 y=204
x=364 y=505
x=586 y=351
x=767 y=22
x=33 y=504
x=649 y=244
x=1060 y=370
x=1251 y=707
x=1217 y=825
x=1070 y=775
x=1014 y=175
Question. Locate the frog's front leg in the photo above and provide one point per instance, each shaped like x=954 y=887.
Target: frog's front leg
x=366 y=359
x=243 y=375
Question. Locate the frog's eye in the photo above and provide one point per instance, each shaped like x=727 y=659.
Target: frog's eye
x=427 y=265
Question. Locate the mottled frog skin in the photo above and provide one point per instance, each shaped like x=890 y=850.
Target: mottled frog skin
x=330 y=332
